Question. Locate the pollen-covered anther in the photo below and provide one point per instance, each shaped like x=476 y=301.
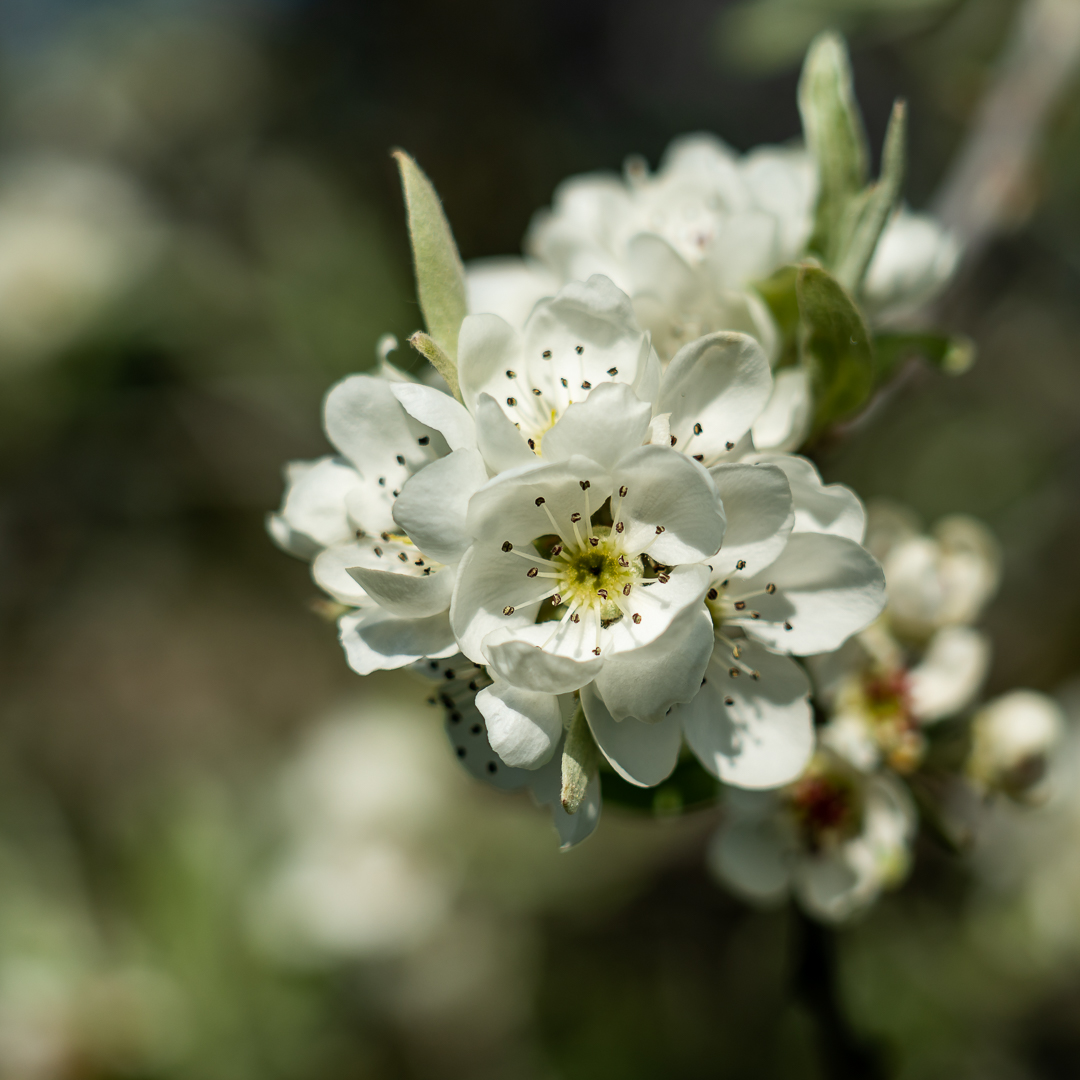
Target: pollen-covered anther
x=636 y=617
x=575 y=618
x=740 y=605
x=741 y=564
x=532 y=571
x=755 y=614
x=575 y=518
x=538 y=393
x=698 y=429
x=511 y=374
x=613 y=371
x=546 y=354
x=622 y=492
x=511 y=401
x=403 y=556
x=586 y=385
x=556 y=600
x=507 y=546
x=733 y=672
x=619 y=526
x=556 y=550
x=626 y=588
x=579 y=349
x=770 y=589
x=594 y=541
x=660 y=529
x=508 y=610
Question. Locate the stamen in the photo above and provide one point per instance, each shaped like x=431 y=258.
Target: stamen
x=579 y=349
x=507 y=546
x=697 y=429
x=546 y=354
x=400 y=459
x=636 y=617
x=508 y=610
x=424 y=440
x=533 y=572
x=613 y=371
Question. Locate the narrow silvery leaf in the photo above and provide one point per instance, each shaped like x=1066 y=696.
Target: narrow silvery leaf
x=428 y=347
x=440 y=277
x=868 y=214
x=834 y=135
x=580 y=758
x=835 y=347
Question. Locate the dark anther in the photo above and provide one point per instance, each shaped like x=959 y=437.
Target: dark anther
x=729 y=701
x=579 y=349
x=400 y=459
x=586 y=385
x=674 y=440
x=511 y=374
x=532 y=572
x=740 y=605
x=741 y=564
x=584 y=485
x=712 y=594
x=547 y=354
x=508 y=610
x=540 y=501
x=424 y=440
x=733 y=672
x=729 y=446
x=613 y=371
x=511 y=401
x=663 y=578
x=382 y=481
x=636 y=617
x=507 y=546
x=770 y=589
x=378 y=551
x=697 y=429
x=575 y=518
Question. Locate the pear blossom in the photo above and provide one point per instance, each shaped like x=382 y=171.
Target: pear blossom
x=835 y=838
x=1012 y=738
x=921 y=662
x=339 y=512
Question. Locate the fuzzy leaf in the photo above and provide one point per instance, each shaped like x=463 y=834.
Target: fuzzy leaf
x=834 y=135
x=429 y=348
x=440 y=277
x=580 y=760
x=778 y=292
x=953 y=355
x=866 y=216
x=836 y=347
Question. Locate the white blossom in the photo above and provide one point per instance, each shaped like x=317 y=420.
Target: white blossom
x=1012 y=738
x=835 y=838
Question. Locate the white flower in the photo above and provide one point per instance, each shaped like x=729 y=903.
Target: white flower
x=74 y=236
x=912 y=263
x=835 y=838
x=1011 y=740
x=791 y=577
x=944 y=579
x=346 y=514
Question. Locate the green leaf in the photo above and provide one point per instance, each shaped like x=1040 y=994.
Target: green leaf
x=778 y=292
x=835 y=349
x=427 y=347
x=440 y=277
x=834 y=135
x=953 y=355
x=580 y=761
x=866 y=216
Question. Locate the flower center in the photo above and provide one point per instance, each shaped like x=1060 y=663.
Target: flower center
x=826 y=805
x=596 y=575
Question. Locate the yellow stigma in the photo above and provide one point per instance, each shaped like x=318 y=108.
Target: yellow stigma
x=597 y=574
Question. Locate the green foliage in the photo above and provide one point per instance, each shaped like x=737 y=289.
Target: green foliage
x=689 y=787
x=951 y=354
x=835 y=347
x=440 y=277
x=834 y=135
x=778 y=292
x=580 y=759
x=851 y=214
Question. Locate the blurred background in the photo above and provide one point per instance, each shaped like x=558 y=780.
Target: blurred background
x=222 y=855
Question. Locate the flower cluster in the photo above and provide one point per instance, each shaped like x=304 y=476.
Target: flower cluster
x=594 y=533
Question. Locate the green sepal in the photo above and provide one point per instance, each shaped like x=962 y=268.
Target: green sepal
x=835 y=347
x=580 y=761
x=951 y=354
x=834 y=135
x=428 y=347
x=866 y=215
x=778 y=292
x=440 y=276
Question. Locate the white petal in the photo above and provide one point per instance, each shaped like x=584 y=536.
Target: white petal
x=758 y=508
x=366 y=423
x=662 y=607
x=753 y=859
x=433 y=505
x=827 y=588
x=487 y=584
x=607 y=425
x=719 y=383
x=507 y=287
x=745 y=249
x=819 y=507
x=671 y=509
x=437 y=410
x=502 y=445
x=517 y=657
x=646 y=683
x=950 y=673
x=784 y=423
x=765 y=736
x=379 y=641
x=405 y=594
x=506 y=508
x=289 y=540
x=644 y=754
x=315 y=501
x=487 y=347
x=596 y=318
x=331 y=570
x=523 y=726
x=832 y=886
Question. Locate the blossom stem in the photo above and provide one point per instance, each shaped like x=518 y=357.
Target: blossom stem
x=580 y=759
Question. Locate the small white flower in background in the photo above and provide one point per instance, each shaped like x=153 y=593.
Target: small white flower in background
x=362 y=804
x=74 y=236
x=1012 y=738
x=836 y=838
x=913 y=262
x=921 y=662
